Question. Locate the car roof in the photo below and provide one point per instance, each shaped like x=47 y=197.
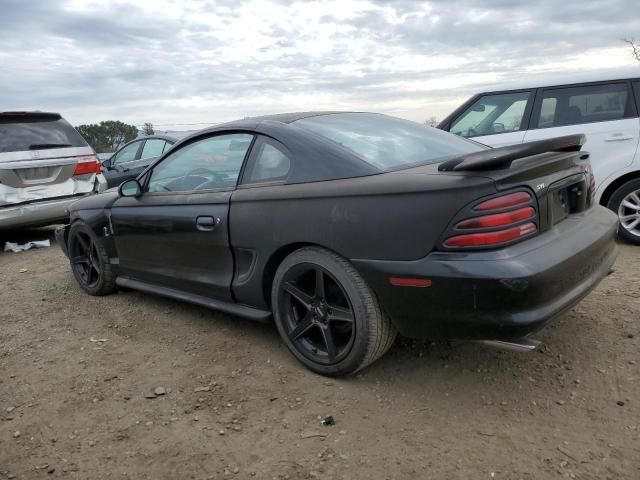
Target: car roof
x=561 y=79
x=158 y=137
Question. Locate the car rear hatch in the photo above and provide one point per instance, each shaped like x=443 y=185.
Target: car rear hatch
x=554 y=170
x=42 y=157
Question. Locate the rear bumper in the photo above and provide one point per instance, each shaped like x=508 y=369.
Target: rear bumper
x=46 y=211
x=503 y=294
x=36 y=213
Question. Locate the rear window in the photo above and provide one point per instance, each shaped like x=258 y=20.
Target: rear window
x=388 y=143
x=20 y=134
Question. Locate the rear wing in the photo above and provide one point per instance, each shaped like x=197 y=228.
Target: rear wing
x=503 y=157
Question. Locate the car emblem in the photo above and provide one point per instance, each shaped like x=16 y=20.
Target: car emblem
x=35 y=154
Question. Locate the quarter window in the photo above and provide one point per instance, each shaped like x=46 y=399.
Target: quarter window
x=127 y=154
x=153 y=148
x=208 y=164
x=490 y=114
x=586 y=104
x=271 y=164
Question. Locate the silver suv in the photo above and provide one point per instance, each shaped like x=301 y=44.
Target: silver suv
x=45 y=165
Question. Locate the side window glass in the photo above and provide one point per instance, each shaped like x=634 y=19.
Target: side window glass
x=127 y=154
x=491 y=114
x=271 y=164
x=575 y=105
x=152 y=148
x=207 y=164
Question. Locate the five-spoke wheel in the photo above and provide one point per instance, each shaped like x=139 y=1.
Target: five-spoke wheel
x=89 y=260
x=326 y=314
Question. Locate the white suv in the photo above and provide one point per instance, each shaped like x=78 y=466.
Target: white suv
x=45 y=164
x=605 y=111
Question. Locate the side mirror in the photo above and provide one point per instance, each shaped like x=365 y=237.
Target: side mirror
x=130 y=188
x=107 y=163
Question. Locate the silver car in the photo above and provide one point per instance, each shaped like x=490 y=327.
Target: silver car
x=45 y=165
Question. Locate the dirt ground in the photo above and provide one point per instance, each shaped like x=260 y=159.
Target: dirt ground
x=76 y=371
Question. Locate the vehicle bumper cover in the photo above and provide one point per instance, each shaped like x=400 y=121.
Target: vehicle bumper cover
x=36 y=213
x=502 y=294
x=32 y=207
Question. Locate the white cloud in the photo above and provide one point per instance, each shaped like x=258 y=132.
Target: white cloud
x=175 y=62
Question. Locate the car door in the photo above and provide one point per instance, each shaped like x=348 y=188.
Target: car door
x=495 y=119
x=604 y=112
x=118 y=166
x=176 y=234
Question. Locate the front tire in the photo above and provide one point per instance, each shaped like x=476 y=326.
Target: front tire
x=625 y=202
x=90 y=261
x=327 y=315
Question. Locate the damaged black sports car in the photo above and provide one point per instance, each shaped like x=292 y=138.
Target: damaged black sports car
x=348 y=228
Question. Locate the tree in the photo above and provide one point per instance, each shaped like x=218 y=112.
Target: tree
x=108 y=136
x=431 y=121
x=635 y=48
x=148 y=129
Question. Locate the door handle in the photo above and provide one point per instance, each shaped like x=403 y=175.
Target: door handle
x=618 y=138
x=206 y=223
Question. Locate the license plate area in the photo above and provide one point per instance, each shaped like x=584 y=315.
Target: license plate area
x=29 y=176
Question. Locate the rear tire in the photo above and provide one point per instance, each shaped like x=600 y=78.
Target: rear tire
x=625 y=202
x=327 y=315
x=90 y=261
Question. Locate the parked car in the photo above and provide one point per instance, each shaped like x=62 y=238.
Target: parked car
x=130 y=160
x=605 y=111
x=350 y=227
x=45 y=164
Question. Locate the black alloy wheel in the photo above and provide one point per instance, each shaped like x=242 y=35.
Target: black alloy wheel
x=89 y=260
x=318 y=316
x=327 y=315
x=84 y=260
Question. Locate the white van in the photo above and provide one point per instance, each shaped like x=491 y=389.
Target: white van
x=605 y=111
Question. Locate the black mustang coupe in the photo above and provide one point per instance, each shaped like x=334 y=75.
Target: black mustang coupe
x=348 y=228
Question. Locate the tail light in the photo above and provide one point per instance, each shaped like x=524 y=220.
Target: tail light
x=495 y=222
x=87 y=164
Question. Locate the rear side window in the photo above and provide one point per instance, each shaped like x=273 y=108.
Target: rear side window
x=584 y=104
x=153 y=148
x=388 y=143
x=19 y=134
x=269 y=163
x=490 y=114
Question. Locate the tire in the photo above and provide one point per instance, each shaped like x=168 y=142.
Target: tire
x=344 y=313
x=92 y=271
x=630 y=194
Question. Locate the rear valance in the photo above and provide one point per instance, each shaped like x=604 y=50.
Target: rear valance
x=502 y=157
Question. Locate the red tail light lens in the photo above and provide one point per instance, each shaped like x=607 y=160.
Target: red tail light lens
x=511 y=200
x=87 y=164
x=491 y=238
x=498 y=219
x=504 y=219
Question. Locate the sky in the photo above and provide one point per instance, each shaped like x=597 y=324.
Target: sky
x=187 y=64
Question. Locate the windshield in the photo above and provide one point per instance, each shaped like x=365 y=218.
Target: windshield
x=38 y=134
x=386 y=142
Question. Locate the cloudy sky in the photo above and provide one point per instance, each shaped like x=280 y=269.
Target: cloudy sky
x=200 y=62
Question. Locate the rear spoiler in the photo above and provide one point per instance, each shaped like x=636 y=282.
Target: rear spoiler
x=21 y=117
x=502 y=157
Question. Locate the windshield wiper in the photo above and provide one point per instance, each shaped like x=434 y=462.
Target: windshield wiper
x=42 y=146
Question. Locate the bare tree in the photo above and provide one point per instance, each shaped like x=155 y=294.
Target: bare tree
x=431 y=121
x=635 y=48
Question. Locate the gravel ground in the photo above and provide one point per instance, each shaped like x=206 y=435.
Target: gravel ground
x=132 y=386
